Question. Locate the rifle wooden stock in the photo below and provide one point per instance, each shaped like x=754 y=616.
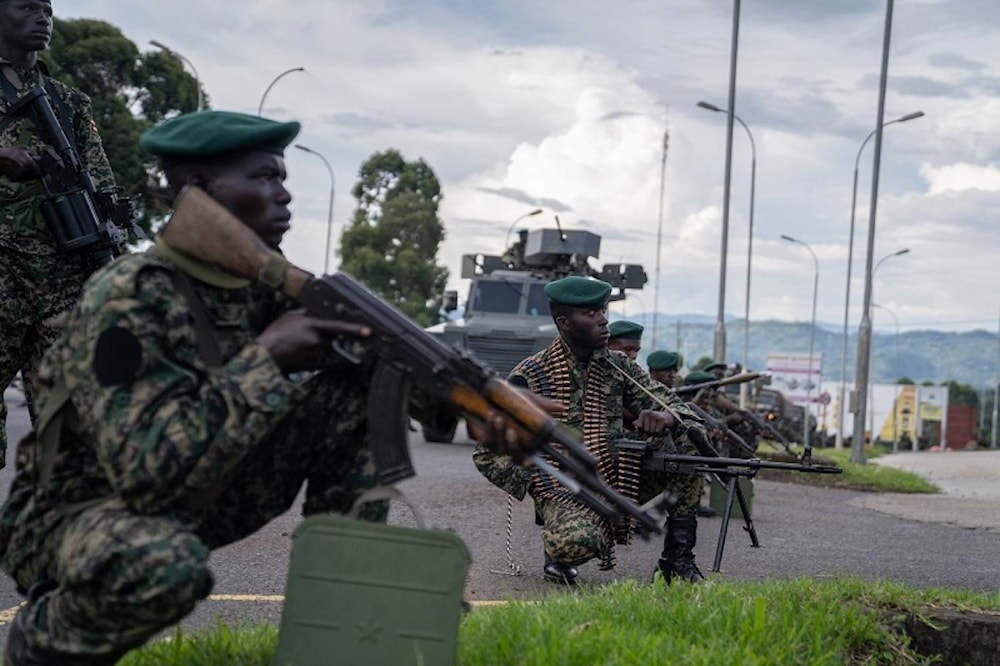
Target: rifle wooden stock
x=201 y=228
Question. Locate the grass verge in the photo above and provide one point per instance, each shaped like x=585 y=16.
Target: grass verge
x=868 y=477
x=803 y=621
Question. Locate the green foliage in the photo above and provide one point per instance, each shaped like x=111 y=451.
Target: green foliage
x=871 y=477
x=130 y=92
x=392 y=243
x=961 y=394
x=831 y=621
x=240 y=646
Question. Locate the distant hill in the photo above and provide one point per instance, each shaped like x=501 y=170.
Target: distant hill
x=937 y=356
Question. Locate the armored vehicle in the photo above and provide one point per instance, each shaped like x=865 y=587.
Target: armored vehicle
x=506 y=316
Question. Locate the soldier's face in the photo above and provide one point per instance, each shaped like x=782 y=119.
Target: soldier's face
x=630 y=347
x=25 y=25
x=585 y=327
x=252 y=187
x=664 y=376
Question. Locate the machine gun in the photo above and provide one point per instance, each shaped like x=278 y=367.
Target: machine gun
x=81 y=217
x=406 y=355
x=726 y=470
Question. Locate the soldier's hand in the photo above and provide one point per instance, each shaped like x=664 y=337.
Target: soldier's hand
x=504 y=437
x=654 y=421
x=18 y=163
x=298 y=341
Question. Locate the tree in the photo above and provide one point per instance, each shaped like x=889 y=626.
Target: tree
x=392 y=243
x=130 y=91
x=961 y=394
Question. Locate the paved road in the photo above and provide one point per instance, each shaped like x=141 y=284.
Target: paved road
x=949 y=540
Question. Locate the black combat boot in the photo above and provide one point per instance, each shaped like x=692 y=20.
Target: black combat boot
x=557 y=572
x=17 y=652
x=677 y=559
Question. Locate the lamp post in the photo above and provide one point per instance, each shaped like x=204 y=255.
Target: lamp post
x=260 y=107
x=329 y=213
x=719 y=341
x=746 y=310
x=659 y=234
x=865 y=327
x=514 y=223
x=897 y=253
x=839 y=442
x=197 y=81
x=895 y=368
x=812 y=338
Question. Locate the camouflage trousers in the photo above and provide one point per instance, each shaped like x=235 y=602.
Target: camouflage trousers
x=34 y=291
x=123 y=577
x=573 y=534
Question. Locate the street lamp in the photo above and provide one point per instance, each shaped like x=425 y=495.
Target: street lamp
x=197 y=81
x=839 y=443
x=260 y=107
x=812 y=338
x=659 y=235
x=329 y=214
x=895 y=368
x=514 y=223
x=753 y=179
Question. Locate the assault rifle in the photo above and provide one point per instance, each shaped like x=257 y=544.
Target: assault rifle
x=714 y=424
x=80 y=217
x=203 y=229
x=726 y=471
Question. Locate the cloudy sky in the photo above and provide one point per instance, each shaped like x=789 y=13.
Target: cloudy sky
x=563 y=105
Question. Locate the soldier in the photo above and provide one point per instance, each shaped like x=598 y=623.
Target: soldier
x=182 y=408
x=664 y=366
x=36 y=284
x=597 y=386
x=626 y=337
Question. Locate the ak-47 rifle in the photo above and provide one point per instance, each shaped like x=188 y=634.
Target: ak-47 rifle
x=81 y=217
x=406 y=354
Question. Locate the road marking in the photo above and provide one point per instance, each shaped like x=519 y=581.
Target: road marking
x=7 y=614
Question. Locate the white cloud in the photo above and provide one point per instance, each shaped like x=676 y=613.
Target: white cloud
x=565 y=103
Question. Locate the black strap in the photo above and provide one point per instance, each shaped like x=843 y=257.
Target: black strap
x=208 y=344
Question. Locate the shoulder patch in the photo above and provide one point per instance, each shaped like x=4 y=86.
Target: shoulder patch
x=118 y=357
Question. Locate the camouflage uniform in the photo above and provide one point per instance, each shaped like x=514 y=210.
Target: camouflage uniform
x=162 y=458
x=36 y=285
x=708 y=399
x=572 y=533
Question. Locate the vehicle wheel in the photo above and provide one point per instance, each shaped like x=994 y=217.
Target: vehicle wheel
x=443 y=433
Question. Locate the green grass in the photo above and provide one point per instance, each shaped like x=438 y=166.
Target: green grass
x=834 y=621
x=868 y=477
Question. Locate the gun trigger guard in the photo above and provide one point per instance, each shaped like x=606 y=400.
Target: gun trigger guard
x=272 y=274
x=344 y=354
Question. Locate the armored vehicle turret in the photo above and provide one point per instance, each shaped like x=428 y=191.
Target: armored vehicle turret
x=506 y=316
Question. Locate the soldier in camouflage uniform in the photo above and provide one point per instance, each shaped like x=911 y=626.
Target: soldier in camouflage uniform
x=663 y=367
x=36 y=285
x=181 y=409
x=597 y=386
x=724 y=410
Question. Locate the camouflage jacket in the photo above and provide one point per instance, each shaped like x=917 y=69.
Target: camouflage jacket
x=618 y=393
x=167 y=427
x=22 y=226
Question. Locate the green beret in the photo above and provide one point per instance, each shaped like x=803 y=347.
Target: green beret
x=625 y=330
x=663 y=360
x=715 y=366
x=699 y=377
x=213 y=133
x=579 y=291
